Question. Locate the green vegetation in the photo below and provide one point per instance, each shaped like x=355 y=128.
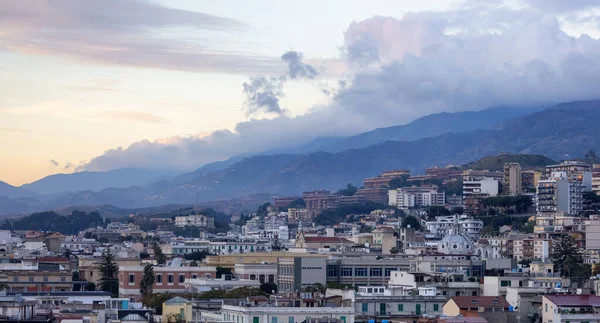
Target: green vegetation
x=196 y=255
x=350 y=190
x=496 y=163
x=52 y=221
x=454 y=187
x=109 y=273
x=269 y=288
x=492 y=224
x=343 y=213
x=412 y=222
x=315 y=288
x=223 y=271
x=403 y=181
x=435 y=210
x=160 y=257
x=500 y=205
x=147 y=280
x=298 y=203
x=568 y=258
x=262 y=210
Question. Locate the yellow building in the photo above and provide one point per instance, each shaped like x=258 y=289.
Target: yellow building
x=176 y=309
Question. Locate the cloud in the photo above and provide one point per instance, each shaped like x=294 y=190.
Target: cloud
x=421 y=63
x=95 y=85
x=133 y=116
x=69 y=166
x=54 y=163
x=562 y=6
x=132 y=33
x=263 y=92
x=11 y=129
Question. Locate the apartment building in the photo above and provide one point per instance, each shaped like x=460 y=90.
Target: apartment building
x=532 y=248
x=195 y=220
x=386 y=238
x=364 y=269
x=475 y=190
x=512 y=179
x=296 y=273
x=374 y=194
x=410 y=197
x=596 y=178
x=559 y=194
x=277 y=314
x=385 y=178
x=227 y=246
x=446 y=225
x=283 y=202
x=529 y=180
x=570 y=308
x=262 y=271
x=167 y=278
x=380 y=303
x=317 y=201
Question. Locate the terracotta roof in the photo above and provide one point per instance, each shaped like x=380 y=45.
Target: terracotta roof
x=464 y=302
x=464 y=319
x=326 y=239
x=574 y=300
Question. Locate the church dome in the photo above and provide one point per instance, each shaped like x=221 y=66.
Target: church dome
x=456 y=244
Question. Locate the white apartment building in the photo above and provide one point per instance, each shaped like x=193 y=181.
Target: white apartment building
x=558 y=194
x=195 y=220
x=484 y=185
x=275 y=314
x=445 y=225
x=409 y=197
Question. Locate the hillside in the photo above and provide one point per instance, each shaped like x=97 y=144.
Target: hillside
x=496 y=163
x=8 y=190
x=430 y=126
x=95 y=181
x=565 y=130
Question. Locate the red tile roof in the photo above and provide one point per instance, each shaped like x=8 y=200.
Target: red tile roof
x=575 y=300
x=326 y=239
x=464 y=302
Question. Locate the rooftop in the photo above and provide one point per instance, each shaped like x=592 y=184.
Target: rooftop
x=326 y=239
x=575 y=300
x=480 y=301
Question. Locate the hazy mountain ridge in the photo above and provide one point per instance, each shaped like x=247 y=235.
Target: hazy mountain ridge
x=568 y=129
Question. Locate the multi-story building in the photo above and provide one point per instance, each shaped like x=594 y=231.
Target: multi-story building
x=284 y=201
x=374 y=194
x=512 y=179
x=532 y=248
x=592 y=234
x=570 y=308
x=475 y=190
x=384 y=180
x=296 y=215
x=312 y=242
x=410 y=197
x=227 y=246
x=575 y=171
x=596 y=178
x=195 y=220
x=317 y=201
x=297 y=273
x=364 y=269
x=386 y=238
x=167 y=278
x=493 y=309
x=558 y=194
x=529 y=180
x=445 y=225
x=262 y=271
x=278 y=314
x=89 y=267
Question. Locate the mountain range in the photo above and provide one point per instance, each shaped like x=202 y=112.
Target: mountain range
x=563 y=131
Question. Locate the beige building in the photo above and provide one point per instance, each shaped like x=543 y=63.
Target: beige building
x=176 y=309
x=303 y=241
x=512 y=179
x=384 y=237
x=195 y=220
x=89 y=268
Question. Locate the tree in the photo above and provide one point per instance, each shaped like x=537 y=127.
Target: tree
x=147 y=280
x=393 y=250
x=263 y=209
x=412 y=222
x=350 y=190
x=223 y=271
x=161 y=259
x=269 y=288
x=566 y=255
x=457 y=210
x=276 y=245
x=196 y=255
x=194 y=263
x=591 y=154
x=109 y=273
x=315 y=288
x=298 y=203
x=90 y=287
x=436 y=210
x=87 y=235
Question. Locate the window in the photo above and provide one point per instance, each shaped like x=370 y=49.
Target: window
x=132 y=278
x=546 y=308
x=255 y=319
x=375 y=272
x=365 y=307
x=45 y=278
x=360 y=272
x=30 y=278
x=436 y=307
x=194 y=276
x=15 y=279
x=290 y=319
x=400 y=307
x=346 y=272
x=159 y=278
x=274 y=319
x=332 y=270
x=504 y=283
x=388 y=271
x=181 y=278
x=62 y=279
x=170 y=278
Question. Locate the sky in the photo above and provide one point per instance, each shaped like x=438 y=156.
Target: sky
x=176 y=84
